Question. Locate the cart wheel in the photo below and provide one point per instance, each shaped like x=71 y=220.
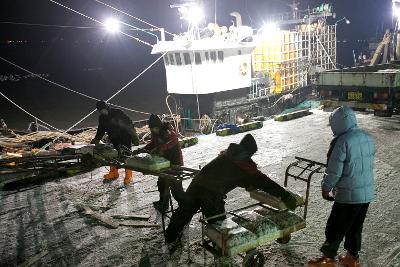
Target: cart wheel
x=284 y=240
x=253 y=258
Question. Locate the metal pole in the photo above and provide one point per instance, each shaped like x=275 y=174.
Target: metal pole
x=215 y=11
x=162 y=30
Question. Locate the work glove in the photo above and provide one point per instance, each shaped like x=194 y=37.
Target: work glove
x=327 y=196
x=95 y=141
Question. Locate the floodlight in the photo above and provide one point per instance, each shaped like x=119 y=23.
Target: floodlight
x=270 y=28
x=194 y=15
x=112 y=25
x=396 y=12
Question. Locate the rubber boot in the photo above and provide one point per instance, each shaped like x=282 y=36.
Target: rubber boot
x=128 y=176
x=349 y=260
x=322 y=262
x=112 y=175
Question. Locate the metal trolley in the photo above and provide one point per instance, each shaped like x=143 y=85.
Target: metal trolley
x=302 y=169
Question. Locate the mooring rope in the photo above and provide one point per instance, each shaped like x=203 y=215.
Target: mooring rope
x=69 y=89
x=28 y=113
x=111 y=97
x=86 y=16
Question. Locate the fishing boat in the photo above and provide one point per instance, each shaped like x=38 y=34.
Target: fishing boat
x=237 y=71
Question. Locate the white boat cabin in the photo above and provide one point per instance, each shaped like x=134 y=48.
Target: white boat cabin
x=205 y=66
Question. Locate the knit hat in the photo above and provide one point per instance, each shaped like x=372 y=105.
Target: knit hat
x=101 y=105
x=155 y=121
x=249 y=144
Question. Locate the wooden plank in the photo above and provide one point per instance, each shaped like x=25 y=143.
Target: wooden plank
x=144 y=225
x=34 y=259
x=131 y=216
x=100 y=217
x=150 y=191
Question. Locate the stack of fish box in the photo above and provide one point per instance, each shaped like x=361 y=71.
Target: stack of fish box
x=292 y=115
x=250 y=126
x=188 y=141
x=274 y=201
x=242 y=128
x=250 y=229
x=225 y=132
x=147 y=162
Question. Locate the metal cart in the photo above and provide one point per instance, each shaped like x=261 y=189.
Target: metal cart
x=271 y=224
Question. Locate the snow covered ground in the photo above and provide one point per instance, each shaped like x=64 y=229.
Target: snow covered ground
x=46 y=219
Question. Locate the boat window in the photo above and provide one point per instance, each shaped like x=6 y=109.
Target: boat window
x=221 y=55
x=213 y=56
x=207 y=56
x=239 y=52
x=171 y=59
x=197 y=58
x=178 y=59
x=166 y=60
x=186 y=57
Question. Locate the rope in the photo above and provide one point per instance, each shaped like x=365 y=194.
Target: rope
x=120 y=90
x=134 y=79
x=129 y=15
x=69 y=89
x=212 y=129
x=68 y=26
x=276 y=102
x=28 y=113
x=174 y=118
x=86 y=16
x=47 y=80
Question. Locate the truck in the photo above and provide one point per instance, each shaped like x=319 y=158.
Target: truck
x=366 y=87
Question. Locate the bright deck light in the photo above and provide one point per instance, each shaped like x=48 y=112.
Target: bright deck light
x=270 y=28
x=194 y=15
x=396 y=12
x=112 y=25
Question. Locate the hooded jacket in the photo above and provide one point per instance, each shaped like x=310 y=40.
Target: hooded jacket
x=119 y=128
x=349 y=173
x=235 y=168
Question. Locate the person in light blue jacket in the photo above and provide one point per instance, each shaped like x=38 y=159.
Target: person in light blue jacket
x=349 y=182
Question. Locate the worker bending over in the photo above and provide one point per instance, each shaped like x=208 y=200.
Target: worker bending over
x=121 y=133
x=232 y=168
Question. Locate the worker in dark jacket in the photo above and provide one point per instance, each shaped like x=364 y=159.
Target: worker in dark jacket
x=232 y=168
x=164 y=142
x=121 y=132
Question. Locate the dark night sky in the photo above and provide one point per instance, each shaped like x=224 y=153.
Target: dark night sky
x=91 y=61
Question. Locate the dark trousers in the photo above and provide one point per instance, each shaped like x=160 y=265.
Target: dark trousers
x=345 y=221
x=164 y=186
x=211 y=204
